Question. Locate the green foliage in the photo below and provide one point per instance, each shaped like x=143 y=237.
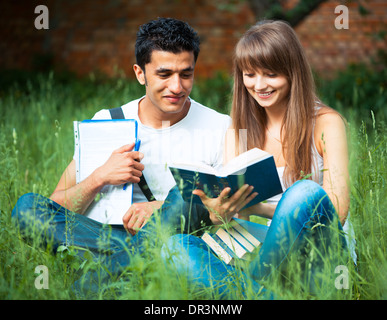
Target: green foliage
x=368 y=207
x=273 y=9
x=214 y=92
x=356 y=92
x=36 y=144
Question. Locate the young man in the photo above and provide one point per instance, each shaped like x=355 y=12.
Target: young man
x=172 y=128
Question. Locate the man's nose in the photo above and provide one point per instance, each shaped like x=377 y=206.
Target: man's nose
x=175 y=85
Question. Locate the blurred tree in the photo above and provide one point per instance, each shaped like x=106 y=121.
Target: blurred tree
x=274 y=9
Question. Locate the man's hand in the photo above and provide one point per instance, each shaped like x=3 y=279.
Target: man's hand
x=122 y=166
x=223 y=208
x=138 y=214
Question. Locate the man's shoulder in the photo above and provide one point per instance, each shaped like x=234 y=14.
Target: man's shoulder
x=205 y=112
x=129 y=109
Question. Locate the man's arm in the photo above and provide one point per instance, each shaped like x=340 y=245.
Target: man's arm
x=122 y=166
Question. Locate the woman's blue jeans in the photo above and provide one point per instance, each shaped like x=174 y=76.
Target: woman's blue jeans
x=304 y=215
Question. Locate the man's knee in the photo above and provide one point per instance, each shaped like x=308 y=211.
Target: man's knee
x=31 y=208
x=24 y=204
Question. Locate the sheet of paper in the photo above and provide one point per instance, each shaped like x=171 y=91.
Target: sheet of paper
x=95 y=140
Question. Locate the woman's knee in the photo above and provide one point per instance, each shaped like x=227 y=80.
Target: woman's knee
x=304 y=193
x=302 y=200
x=304 y=190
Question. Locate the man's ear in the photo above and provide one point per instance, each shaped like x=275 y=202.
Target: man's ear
x=140 y=74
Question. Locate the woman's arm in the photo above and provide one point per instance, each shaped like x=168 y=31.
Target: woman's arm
x=264 y=210
x=331 y=142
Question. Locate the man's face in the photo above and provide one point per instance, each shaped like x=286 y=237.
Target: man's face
x=168 y=79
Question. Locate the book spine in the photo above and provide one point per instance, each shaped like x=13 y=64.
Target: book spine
x=231 y=242
x=254 y=241
x=217 y=248
x=76 y=150
x=241 y=239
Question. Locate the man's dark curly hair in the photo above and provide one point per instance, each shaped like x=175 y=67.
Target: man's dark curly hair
x=165 y=34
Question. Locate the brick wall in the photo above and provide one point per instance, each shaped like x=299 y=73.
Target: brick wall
x=91 y=35
x=329 y=49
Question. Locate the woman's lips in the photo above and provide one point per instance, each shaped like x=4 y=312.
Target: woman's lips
x=265 y=95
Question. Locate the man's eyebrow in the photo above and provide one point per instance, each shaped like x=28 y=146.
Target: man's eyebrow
x=189 y=69
x=162 y=70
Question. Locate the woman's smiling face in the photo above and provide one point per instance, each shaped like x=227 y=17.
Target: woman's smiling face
x=267 y=88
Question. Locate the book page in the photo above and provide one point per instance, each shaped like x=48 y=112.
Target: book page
x=243 y=160
x=195 y=167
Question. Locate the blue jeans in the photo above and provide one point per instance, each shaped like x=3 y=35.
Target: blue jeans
x=43 y=220
x=304 y=214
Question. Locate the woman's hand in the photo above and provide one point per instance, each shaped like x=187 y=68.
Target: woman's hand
x=223 y=208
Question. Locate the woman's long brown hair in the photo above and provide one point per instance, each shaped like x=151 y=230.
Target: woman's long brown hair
x=274 y=46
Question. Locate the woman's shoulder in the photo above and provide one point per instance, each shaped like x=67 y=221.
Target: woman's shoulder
x=329 y=127
x=326 y=116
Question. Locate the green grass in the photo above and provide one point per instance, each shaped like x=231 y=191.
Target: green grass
x=36 y=144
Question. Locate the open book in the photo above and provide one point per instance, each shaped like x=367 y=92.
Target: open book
x=254 y=167
x=238 y=239
x=95 y=140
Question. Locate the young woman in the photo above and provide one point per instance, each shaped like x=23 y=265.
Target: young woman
x=274 y=100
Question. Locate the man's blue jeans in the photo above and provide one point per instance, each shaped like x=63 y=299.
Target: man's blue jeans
x=40 y=218
x=304 y=213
